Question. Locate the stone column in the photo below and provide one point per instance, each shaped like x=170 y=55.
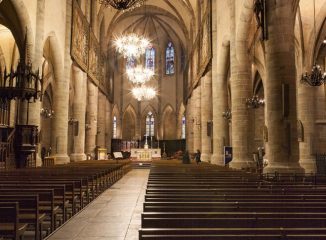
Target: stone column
x=240 y=80
x=108 y=126
x=189 y=126
x=306 y=114
x=220 y=102
x=91 y=118
x=59 y=135
x=206 y=115
x=101 y=120
x=197 y=119
x=79 y=112
x=282 y=145
x=60 y=105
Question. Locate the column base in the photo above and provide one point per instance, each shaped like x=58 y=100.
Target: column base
x=77 y=157
x=217 y=159
x=246 y=164
x=309 y=165
x=283 y=168
x=206 y=157
x=60 y=158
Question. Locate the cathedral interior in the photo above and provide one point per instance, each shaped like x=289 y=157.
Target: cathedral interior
x=162 y=119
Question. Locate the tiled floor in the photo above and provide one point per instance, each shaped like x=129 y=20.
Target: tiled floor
x=114 y=215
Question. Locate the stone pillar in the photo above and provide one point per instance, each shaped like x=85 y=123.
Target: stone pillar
x=91 y=118
x=240 y=80
x=79 y=112
x=108 y=126
x=101 y=120
x=220 y=102
x=282 y=145
x=60 y=105
x=197 y=119
x=59 y=135
x=189 y=126
x=306 y=114
x=206 y=115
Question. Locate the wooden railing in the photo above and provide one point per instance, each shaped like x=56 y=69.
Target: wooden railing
x=7 y=154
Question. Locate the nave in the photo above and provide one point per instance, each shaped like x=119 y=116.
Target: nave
x=114 y=215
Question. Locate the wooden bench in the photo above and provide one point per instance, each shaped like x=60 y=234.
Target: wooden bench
x=208 y=202
x=10 y=225
x=28 y=211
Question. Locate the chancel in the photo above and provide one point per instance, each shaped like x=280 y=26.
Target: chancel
x=162 y=119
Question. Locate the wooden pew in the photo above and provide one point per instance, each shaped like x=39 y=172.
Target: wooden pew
x=28 y=211
x=10 y=225
x=208 y=202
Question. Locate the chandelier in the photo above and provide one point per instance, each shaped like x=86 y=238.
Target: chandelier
x=21 y=83
x=227 y=115
x=123 y=4
x=316 y=78
x=254 y=102
x=143 y=93
x=139 y=74
x=132 y=45
x=46 y=113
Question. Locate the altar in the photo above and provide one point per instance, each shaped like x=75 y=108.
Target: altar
x=143 y=154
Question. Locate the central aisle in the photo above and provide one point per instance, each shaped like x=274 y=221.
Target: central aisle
x=114 y=215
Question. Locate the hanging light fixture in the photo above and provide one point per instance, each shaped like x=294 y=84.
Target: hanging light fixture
x=123 y=4
x=227 y=115
x=143 y=93
x=255 y=102
x=131 y=45
x=139 y=74
x=316 y=78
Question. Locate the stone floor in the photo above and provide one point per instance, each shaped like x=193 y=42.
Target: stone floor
x=114 y=215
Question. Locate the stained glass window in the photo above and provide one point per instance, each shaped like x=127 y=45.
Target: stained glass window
x=150 y=58
x=183 y=127
x=150 y=124
x=114 y=127
x=169 y=59
x=130 y=63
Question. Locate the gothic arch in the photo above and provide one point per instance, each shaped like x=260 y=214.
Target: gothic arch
x=169 y=123
x=181 y=113
x=116 y=113
x=14 y=15
x=129 y=123
x=147 y=109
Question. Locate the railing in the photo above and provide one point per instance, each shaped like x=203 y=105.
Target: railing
x=7 y=158
x=321 y=163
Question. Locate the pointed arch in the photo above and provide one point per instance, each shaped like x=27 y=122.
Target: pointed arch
x=115 y=122
x=169 y=123
x=129 y=121
x=150 y=58
x=14 y=15
x=169 y=59
x=147 y=109
x=181 y=121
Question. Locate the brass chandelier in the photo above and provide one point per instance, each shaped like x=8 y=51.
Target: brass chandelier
x=316 y=78
x=122 y=4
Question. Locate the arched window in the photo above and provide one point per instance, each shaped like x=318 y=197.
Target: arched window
x=114 y=127
x=130 y=63
x=169 y=59
x=183 y=127
x=150 y=58
x=150 y=124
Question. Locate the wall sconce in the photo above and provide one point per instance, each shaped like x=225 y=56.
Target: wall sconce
x=227 y=115
x=46 y=113
x=255 y=102
x=196 y=122
x=87 y=126
x=72 y=121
